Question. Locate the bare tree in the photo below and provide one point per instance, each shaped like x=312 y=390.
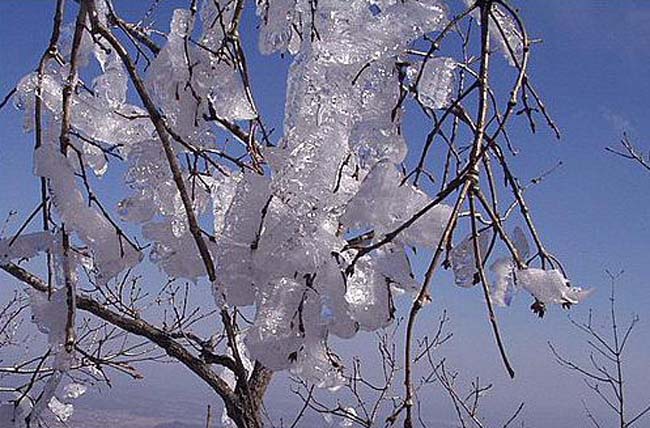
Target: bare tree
x=628 y=150
x=298 y=238
x=372 y=399
x=603 y=373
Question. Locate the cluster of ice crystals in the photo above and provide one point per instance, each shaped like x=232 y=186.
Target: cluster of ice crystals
x=504 y=268
x=50 y=314
x=105 y=120
x=334 y=170
x=169 y=81
x=503 y=287
x=547 y=286
x=189 y=81
x=368 y=297
x=278 y=240
x=279 y=326
x=242 y=207
x=358 y=35
x=550 y=286
x=51 y=95
x=110 y=87
x=152 y=183
x=100 y=121
x=316 y=363
x=176 y=254
x=61 y=410
x=74 y=390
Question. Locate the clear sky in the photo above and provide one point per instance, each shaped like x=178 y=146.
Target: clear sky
x=594 y=212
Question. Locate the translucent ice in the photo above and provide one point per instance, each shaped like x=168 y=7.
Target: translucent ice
x=463 y=260
x=436 y=83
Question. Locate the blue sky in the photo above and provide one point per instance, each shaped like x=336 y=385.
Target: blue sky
x=594 y=212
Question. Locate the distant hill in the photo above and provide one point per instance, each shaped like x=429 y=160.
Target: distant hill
x=176 y=424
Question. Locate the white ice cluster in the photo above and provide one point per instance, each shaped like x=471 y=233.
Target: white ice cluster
x=100 y=119
x=63 y=410
x=547 y=286
x=333 y=172
x=111 y=252
x=277 y=33
x=550 y=286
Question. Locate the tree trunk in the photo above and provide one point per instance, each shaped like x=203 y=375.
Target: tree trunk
x=246 y=410
x=244 y=415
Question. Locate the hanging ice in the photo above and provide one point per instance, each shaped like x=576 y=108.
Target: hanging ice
x=369 y=296
x=25 y=246
x=504 y=268
x=276 y=30
x=316 y=363
x=276 y=337
x=383 y=203
x=245 y=216
x=503 y=288
x=504 y=29
x=463 y=260
x=334 y=169
x=112 y=252
x=436 y=84
x=50 y=315
x=178 y=256
x=51 y=95
x=520 y=243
